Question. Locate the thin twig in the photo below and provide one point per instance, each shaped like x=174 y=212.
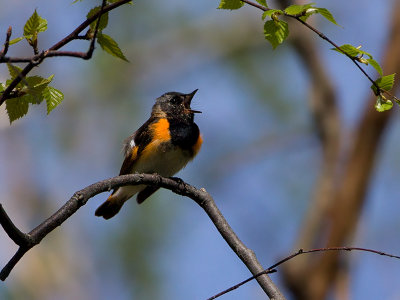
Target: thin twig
x=324 y=37
x=6 y=43
x=37 y=59
x=272 y=269
x=200 y=196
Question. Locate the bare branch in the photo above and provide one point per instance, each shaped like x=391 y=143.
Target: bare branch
x=272 y=269
x=200 y=196
x=6 y=43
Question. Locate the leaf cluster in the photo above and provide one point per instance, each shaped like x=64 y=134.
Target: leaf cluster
x=34 y=89
x=31 y=90
x=276 y=32
x=107 y=43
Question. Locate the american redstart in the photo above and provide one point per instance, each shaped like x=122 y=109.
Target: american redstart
x=164 y=144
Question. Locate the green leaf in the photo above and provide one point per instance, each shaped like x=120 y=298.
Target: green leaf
x=383 y=104
x=13 y=70
x=36 y=86
x=385 y=83
x=376 y=65
x=110 y=46
x=103 y=20
x=349 y=49
x=276 y=32
x=263 y=3
x=16 y=40
x=352 y=51
x=34 y=25
x=326 y=14
x=53 y=98
x=297 y=9
x=230 y=4
x=16 y=108
x=271 y=12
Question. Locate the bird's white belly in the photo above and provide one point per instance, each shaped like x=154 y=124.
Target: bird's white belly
x=166 y=162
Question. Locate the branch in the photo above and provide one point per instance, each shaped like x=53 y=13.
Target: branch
x=26 y=241
x=6 y=43
x=272 y=269
x=51 y=52
x=324 y=37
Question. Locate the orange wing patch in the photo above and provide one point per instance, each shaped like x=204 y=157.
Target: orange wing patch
x=134 y=153
x=196 y=147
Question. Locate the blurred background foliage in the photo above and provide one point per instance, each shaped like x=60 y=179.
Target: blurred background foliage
x=259 y=160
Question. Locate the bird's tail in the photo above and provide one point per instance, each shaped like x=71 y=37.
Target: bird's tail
x=115 y=201
x=109 y=208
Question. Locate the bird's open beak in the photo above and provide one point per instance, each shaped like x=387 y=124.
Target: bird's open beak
x=188 y=100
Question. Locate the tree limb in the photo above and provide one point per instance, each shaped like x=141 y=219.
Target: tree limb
x=26 y=241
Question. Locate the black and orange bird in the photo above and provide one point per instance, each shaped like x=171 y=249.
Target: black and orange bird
x=164 y=144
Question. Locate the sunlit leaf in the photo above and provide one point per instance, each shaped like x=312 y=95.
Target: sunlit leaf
x=53 y=98
x=262 y=2
x=16 y=40
x=383 y=104
x=271 y=12
x=384 y=83
x=297 y=9
x=326 y=14
x=13 y=70
x=230 y=4
x=376 y=65
x=103 y=19
x=34 y=25
x=276 y=32
x=17 y=108
x=110 y=46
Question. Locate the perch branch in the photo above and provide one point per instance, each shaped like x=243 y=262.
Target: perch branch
x=26 y=241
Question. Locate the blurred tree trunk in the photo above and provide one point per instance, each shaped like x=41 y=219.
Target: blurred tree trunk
x=339 y=196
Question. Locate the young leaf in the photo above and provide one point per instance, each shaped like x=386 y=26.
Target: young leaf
x=349 y=49
x=53 y=98
x=13 y=70
x=326 y=14
x=376 y=65
x=386 y=82
x=35 y=88
x=16 y=40
x=34 y=25
x=110 y=46
x=263 y=3
x=230 y=4
x=276 y=32
x=16 y=108
x=271 y=12
x=297 y=9
x=383 y=104
x=103 y=20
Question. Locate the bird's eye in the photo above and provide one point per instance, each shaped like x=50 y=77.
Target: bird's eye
x=176 y=100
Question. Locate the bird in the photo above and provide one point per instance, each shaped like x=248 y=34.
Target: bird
x=164 y=144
